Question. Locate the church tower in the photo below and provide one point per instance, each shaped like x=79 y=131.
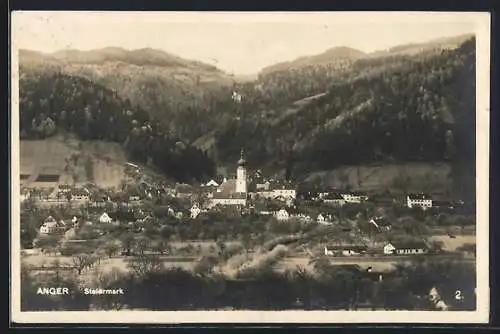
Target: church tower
x=241 y=175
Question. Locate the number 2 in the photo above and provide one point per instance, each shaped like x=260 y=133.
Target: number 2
x=458 y=295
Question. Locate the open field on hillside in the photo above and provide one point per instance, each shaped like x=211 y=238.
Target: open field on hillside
x=73 y=161
x=295 y=107
x=417 y=177
x=451 y=244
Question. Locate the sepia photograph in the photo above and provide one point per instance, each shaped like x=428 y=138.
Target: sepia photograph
x=181 y=167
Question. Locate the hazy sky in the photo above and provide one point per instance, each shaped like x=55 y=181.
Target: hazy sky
x=240 y=43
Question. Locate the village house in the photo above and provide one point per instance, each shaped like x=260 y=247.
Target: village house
x=171 y=211
x=282 y=215
x=179 y=214
x=285 y=192
x=276 y=190
x=123 y=216
x=81 y=195
x=134 y=195
x=183 y=191
x=303 y=217
x=265 y=186
x=345 y=250
x=105 y=219
x=52 y=226
x=409 y=248
x=75 y=221
x=335 y=199
x=64 y=188
x=214 y=183
x=195 y=211
x=354 y=197
x=325 y=219
x=419 y=200
x=134 y=198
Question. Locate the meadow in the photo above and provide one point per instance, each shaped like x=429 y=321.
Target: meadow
x=75 y=162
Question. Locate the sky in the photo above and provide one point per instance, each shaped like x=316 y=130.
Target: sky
x=238 y=43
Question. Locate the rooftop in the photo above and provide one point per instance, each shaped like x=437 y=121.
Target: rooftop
x=80 y=192
x=346 y=247
x=409 y=244
x=419 y=196
x=333 y=196
x=354 y=193
x=227 y=190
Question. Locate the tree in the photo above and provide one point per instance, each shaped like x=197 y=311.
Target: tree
x=145 y=264
x=321 y=265
x=436 y=246
x=205 y=265
x=246 y=241
x=222 y=246
x=142 y=244
x=49 y=243
x=113 y=278
x=111 y=248
x=160 y=246
x=128 y=240
x=82 y=262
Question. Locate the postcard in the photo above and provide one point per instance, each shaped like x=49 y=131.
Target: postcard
x=250 y=167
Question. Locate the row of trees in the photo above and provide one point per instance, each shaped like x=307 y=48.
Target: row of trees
x=150 y=286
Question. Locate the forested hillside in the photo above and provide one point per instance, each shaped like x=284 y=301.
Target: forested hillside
x=395 y=109
x=413 y=103
x=173 y=90
x=49 y=102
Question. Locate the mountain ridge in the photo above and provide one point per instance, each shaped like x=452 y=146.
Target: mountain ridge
x=140 y=57
x=164 y=58
x=339 y=53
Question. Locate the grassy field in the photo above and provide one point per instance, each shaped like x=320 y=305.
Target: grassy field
x=305 y=262
x=451 y=244
x=105 y=266
x=382 y=264
x=98 y=162
x=205 y=245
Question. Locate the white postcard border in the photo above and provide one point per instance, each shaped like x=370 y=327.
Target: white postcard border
x=481 y=315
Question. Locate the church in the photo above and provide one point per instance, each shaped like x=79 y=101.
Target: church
x=235 y=191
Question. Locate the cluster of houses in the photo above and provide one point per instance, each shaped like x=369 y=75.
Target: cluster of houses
x=75 y=195
x=239 y=191
x=52 y=226
x=131 y=216
x=391 y=248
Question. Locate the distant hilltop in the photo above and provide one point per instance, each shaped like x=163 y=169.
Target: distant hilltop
x=344 y=53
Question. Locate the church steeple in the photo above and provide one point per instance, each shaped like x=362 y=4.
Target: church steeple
x=241 y=175
x=242 y=161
